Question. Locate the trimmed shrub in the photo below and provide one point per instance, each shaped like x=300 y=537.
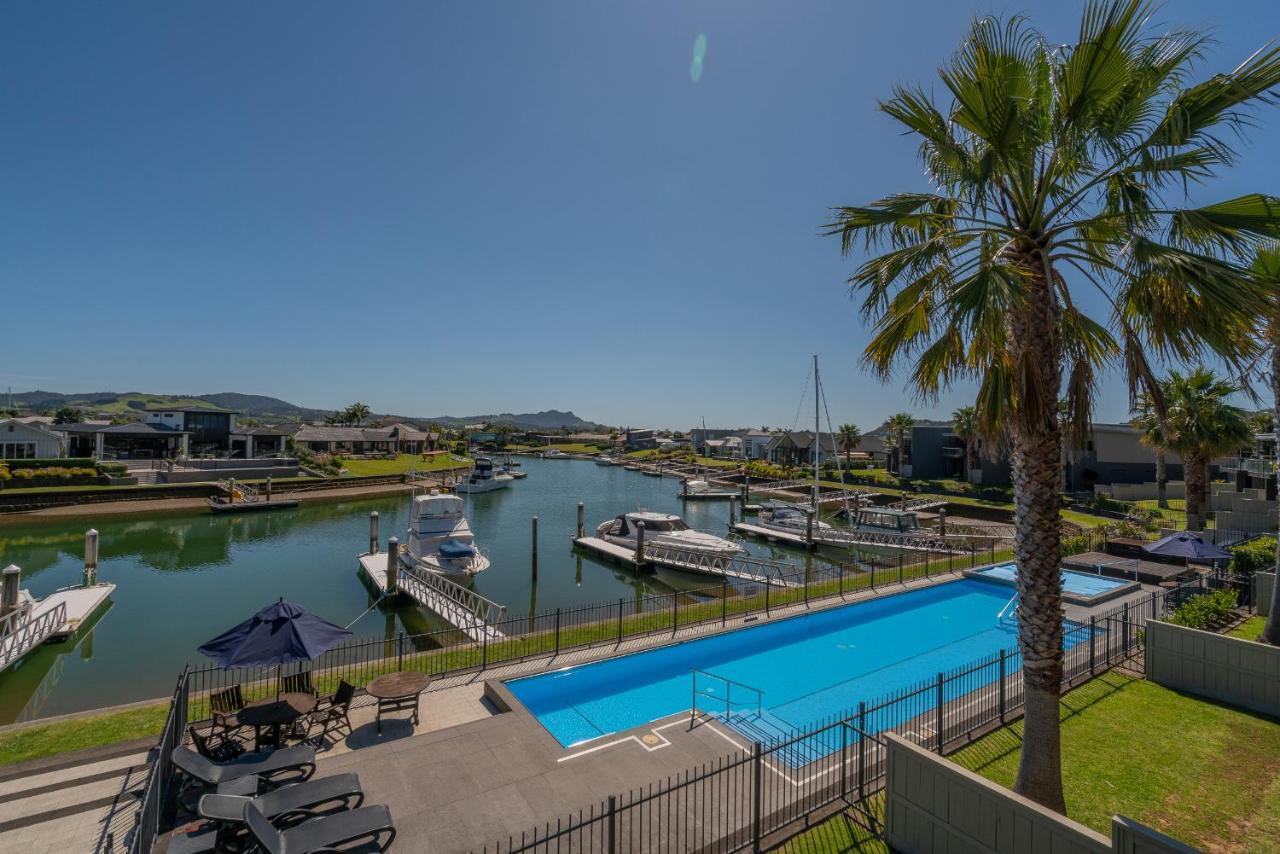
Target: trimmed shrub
x=113 y=469
x=1255 y=555
x=1207 y=611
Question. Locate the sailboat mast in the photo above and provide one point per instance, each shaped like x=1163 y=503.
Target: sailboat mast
x=817 y=428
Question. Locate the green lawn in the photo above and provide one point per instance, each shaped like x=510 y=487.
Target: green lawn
x=1250 y=628
x=1203 y=773
x=1206 y=774
x=51 y=739
x=400 y=465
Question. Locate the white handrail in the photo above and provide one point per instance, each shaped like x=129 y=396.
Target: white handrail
x=20 y=633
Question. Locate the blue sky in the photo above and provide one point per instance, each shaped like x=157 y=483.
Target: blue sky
x=459 y=208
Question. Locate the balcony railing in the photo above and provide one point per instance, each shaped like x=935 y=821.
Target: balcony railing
x=1261 y=468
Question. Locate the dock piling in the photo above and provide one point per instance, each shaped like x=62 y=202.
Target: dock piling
x=90 y=557
x=639 y=544
x=268 y=489
x=393 y=565
x=534 y=550
x=12 y=577
x=684 y=487
x=373 y=532
x=733 y=499
x=582 y=530
x=231 y=490
x=808 y=527
x=942 y=521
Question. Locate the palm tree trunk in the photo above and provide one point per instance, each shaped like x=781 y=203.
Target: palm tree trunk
x=968 y=461
x=1271 y=631
x=1037 y=450
x=1162 y=480
x=1193 y=469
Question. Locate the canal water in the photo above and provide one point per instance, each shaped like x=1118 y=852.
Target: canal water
x=183 y=578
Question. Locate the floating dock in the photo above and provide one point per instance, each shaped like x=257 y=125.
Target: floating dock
x=252 y=506
x=771 y=534
x=740 y=568
x=841 y=537
x=456 y=604
x=58 y=615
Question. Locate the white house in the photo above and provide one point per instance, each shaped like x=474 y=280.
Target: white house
x=21 y=441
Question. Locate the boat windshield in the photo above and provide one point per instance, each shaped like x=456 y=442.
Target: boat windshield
x=665 y=525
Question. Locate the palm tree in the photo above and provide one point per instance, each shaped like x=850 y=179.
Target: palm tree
x=1263 y=421
x=1199 y=425
x=357 y=413
x=1056 y=174
x=897 y=428
x=850 y=437
x=1266 y=265
x=1150 y=421
x=964 y=423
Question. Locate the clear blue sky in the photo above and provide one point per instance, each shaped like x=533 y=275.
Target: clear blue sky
x=459 y=208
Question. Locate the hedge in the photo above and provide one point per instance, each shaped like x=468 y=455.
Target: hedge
x=58 y=462
x=1259 y=554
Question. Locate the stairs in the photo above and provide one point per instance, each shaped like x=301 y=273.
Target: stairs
x=769 y=729
x=84 y=801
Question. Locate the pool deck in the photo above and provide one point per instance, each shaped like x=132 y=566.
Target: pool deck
x=469 y=775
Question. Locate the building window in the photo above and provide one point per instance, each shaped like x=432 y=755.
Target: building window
x=18 y=450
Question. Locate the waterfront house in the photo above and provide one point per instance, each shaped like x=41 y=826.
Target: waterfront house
x=345 y=440
x=20 y=440
x=131 y=441
x=640 y=439
x=251 y=442
x=797 y=448
x=409 y=439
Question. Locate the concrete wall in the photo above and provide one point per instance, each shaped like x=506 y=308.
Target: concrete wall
x=1141 y=491
x=240 y=473
x=1239 y=672
x=933 y=806
x=1264 y=585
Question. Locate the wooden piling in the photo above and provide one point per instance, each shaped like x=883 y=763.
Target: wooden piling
x=808 y=527
x=393 y=565
x=733 y=499
x=639 y=544
x=90 y=557
x=684 y=487
x=9 y=581
x=268 y=489
x=942 y=521
x=373 y=532
x=582 y=525
x=534 y=550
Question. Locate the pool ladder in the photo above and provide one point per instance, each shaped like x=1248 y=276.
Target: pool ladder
x=1009 y=610
x=707 y=690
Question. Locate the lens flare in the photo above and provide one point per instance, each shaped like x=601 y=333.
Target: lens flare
x=699 y=52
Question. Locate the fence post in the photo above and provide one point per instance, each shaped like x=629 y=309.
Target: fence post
x=1002 y=676
x=675 y=612
x=938 y=715
x=862 y=749
x=844 y=759
x=724 y=600
x=620 y=605
x=557 y=631
x=766 y=599
x=900 y=579
x=806 y=589
x=840 y=581
x=1127 y=631
x=613 y=824
x=757 y=795
x=1093 y=646
x=400 y=651
x=484 y=649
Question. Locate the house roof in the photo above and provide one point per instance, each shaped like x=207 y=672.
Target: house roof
x=140 y=429
x=32 y=426
x=802 y=439
x=406 y=431
x=261 y=431
x=213 y=409
x=342 y=434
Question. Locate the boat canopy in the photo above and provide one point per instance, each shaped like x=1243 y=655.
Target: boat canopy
x=437 y=505
x=456 y=548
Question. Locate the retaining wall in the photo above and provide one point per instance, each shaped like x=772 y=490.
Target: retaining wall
x=1264 y=585
x=1239 y=672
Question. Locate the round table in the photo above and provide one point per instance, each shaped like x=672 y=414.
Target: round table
x=276 y=713
x=396 y=692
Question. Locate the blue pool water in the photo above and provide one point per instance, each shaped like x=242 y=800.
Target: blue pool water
x=1080 y=583
x=809 y=667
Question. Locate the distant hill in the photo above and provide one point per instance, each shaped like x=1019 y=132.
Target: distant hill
x=261 y=406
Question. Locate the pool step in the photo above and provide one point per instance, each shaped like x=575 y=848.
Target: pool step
x=769 y=729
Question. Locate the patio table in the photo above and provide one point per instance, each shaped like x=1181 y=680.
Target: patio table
x=276 y=713
x=397 y=692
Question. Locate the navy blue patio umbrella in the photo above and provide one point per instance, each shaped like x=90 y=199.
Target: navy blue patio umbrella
x=278 y=634
x=1188 y=545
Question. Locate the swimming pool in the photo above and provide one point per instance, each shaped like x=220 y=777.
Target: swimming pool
x=1079 y=588
x=807 y=668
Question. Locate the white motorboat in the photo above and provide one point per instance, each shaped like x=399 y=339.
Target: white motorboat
x=605 y=460
x=885 y=520
x=665 y=529
x=790 y=518
x=483 y=478
x=553 y=453
x=440 y=539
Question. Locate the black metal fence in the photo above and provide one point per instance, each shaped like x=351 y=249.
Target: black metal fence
x=159 y=794
x=449 y=652
x=740 y=800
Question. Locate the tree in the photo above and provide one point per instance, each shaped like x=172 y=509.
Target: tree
x=68 y=415
x=898 y=428
x=1199 y=425
x=1266 y=265
x=964 y=423
x=1150 y=421
x=1057 y=171
x=357 y=413
x=1263 y=421
x=850 y=437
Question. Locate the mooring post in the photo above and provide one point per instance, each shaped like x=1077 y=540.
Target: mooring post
x=639 y=544
x=90 y=557
x=373 y=532
x=942 y=521
x=12 y=577
x=582 y=530
x=268 y=489
x=393 y=565
x=808 y=527
x=231 y=490
x=733 y=499
x=684 y=488
x=533 y=549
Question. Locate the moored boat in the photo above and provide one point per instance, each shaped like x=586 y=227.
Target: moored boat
x=440 y=538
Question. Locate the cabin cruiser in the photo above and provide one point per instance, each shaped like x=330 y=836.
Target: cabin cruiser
x=553 y=453
x=884 y=520
x=605 y=460
x=782 y=516
x=483 y=478
x=440 y=540
x=665 y=529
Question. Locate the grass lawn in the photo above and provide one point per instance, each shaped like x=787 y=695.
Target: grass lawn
x=1250 y=628
x=39 y=741
x=1203 y=773
x=571 y=448
x=401 y=464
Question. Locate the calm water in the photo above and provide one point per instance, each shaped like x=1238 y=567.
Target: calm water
x=183 y=578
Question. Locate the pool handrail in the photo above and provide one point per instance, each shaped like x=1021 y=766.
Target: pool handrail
x=1007 y=605
x=728 y=694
